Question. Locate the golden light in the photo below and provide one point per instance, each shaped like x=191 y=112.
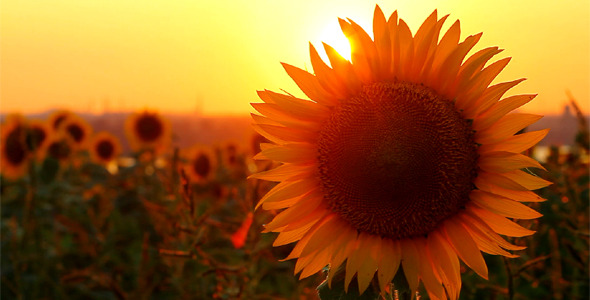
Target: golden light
x=333 y=36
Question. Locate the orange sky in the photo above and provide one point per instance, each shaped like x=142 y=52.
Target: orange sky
x=212 y=56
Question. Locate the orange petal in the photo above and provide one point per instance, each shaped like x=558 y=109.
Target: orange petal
x=500 y=109
x=529 y=181
x=299 y=153
x=286 y=172
x=517 y=143
x=492 y=95
x=476 y=222
x=483 y=241
x=368 y=258
x=286 y=134
x=310 y=85
x=389 y=261
x=498 y=223
x=505 y=128
x=410 y=262
x=521 y=196
x=447 y=261
x=502 y=206
x=502 y=162
x=465 y=247
x=432 y=284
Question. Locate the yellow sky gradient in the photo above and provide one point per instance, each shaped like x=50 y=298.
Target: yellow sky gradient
x=211 y=56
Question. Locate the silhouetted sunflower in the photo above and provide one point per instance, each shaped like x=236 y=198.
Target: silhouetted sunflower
x=201 y=163
x=14 y=155
x=104 y=148
x=147 y=130
x=37 y=137
x=57 y=118
x=60 y=147
x=405 y=157
x=77 y=129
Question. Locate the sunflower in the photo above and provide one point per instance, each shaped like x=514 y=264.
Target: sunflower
x=14 y=154
x=37 y=137
x=404 y=158
x=77 y=129
x=60 y=147
x=58 y=117
x=201 y=164
x=104 y=148
x=147 y=130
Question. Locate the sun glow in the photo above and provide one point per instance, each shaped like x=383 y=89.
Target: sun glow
x=333 y=36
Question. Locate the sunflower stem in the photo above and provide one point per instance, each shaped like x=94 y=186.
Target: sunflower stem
x=510 y=279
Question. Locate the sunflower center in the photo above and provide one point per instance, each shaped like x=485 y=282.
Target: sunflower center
x=15 y=150
x=76 y=132
x=105 y=149
x=35 y=137
x=201 y=165
x=396 y=160
x=148 y=128
x=59 y=150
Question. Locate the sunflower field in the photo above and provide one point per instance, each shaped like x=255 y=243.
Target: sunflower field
x=82 y=220
x=403 y=176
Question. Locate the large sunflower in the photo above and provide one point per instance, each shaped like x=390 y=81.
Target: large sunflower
x=405 y=157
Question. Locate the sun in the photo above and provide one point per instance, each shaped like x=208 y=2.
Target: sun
x=332 y=35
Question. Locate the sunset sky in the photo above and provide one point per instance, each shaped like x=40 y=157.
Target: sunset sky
x=211 y=56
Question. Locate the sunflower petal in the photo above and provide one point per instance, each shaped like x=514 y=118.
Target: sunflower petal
x=295 y=212
x=382 y=43
x=326 y=76
x=492 y=95
x=410 y=262
x=448 y=263
x=433 y=284
x=286 y=133
x=500 y=109
x=451 y=66
x=285 y=172
x=447 y=44
x=368 y=255
x=319 y=238
x=389 y=262
x=352 y=263
x=319 y=261
x=503 y=206
x=515 y=144
x=505 y=128
x=476 y=222
x=288 y=237
x=528 y=181
x=362 y=49
x=498 y=223
x=521 y=196
x=465 y=247
x=309 y=84
x=483 y=241
x=288 y=153
x=501 y=162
